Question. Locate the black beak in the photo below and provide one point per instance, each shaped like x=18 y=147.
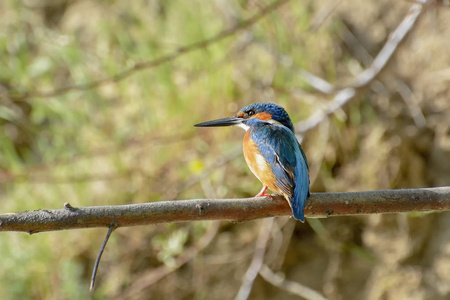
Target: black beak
x=221 y=122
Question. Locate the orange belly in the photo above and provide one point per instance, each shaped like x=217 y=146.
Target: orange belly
x=257 y=164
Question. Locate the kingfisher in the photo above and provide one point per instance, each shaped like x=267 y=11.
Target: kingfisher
x=272 y=152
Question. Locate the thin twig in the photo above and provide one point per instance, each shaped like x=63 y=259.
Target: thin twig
x=323 y=14
x=289 y=286
x=145 y=279
x=405 y=92
x=148 y=278
x=111 y=228
x=345 y=94
x=412 y=104
x=278 y=260
x=318 y=205
x=394 y=40
x=257 y=261
x=161 y=60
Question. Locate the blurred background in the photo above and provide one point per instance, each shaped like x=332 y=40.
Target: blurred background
x=131 y=140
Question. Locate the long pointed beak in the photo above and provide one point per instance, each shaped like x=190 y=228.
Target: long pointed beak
x=221 y=122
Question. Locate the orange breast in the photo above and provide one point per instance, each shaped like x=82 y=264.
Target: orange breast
x=257 y=163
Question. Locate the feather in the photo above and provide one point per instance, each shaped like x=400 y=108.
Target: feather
x=284 y=168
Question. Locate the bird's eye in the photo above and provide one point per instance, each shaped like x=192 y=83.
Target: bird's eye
x=250 y=113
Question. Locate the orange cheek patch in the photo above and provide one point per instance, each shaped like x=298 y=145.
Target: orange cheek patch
x=263 y=116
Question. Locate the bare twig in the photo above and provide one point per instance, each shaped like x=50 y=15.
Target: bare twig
x=394 y=40
x=111 y=228
x=287 y=230
x=412 y=103
x=147 y=278
x=316 y=82
x=405 y=92
x=161 y=60
x=323 y=14
x=317 y=206
x=345 y=94
x=289 y=286
x=257 y=261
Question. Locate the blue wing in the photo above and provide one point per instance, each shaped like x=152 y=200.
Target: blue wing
x=281 y=149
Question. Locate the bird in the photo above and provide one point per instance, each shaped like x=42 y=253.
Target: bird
x=272 y=152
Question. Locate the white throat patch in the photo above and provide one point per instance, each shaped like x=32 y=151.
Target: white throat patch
x=272 y=121
x=244 y=126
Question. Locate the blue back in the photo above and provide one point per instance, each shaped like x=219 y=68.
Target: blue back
x=278 y=145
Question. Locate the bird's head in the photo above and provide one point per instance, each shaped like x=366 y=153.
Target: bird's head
x=250 y=114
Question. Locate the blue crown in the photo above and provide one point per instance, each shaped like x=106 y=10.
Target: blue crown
x=277 y=112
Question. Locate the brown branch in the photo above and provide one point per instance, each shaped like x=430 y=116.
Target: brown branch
x=161 y=60
x=319 y=205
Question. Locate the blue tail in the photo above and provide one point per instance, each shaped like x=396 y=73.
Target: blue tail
x=301 y=189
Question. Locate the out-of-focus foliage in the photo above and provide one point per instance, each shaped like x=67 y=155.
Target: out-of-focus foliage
x=133 y=141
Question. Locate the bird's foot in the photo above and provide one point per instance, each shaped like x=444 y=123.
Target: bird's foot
x=263 y=193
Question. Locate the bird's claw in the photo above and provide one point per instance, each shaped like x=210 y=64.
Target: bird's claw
x=263 y=193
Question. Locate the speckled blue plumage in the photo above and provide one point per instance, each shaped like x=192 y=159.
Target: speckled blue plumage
x=279 y=147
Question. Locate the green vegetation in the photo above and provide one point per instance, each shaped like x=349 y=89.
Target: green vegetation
x=132 y=141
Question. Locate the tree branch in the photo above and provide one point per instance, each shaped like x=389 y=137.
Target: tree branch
x=317 y=206
x=345 y=94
